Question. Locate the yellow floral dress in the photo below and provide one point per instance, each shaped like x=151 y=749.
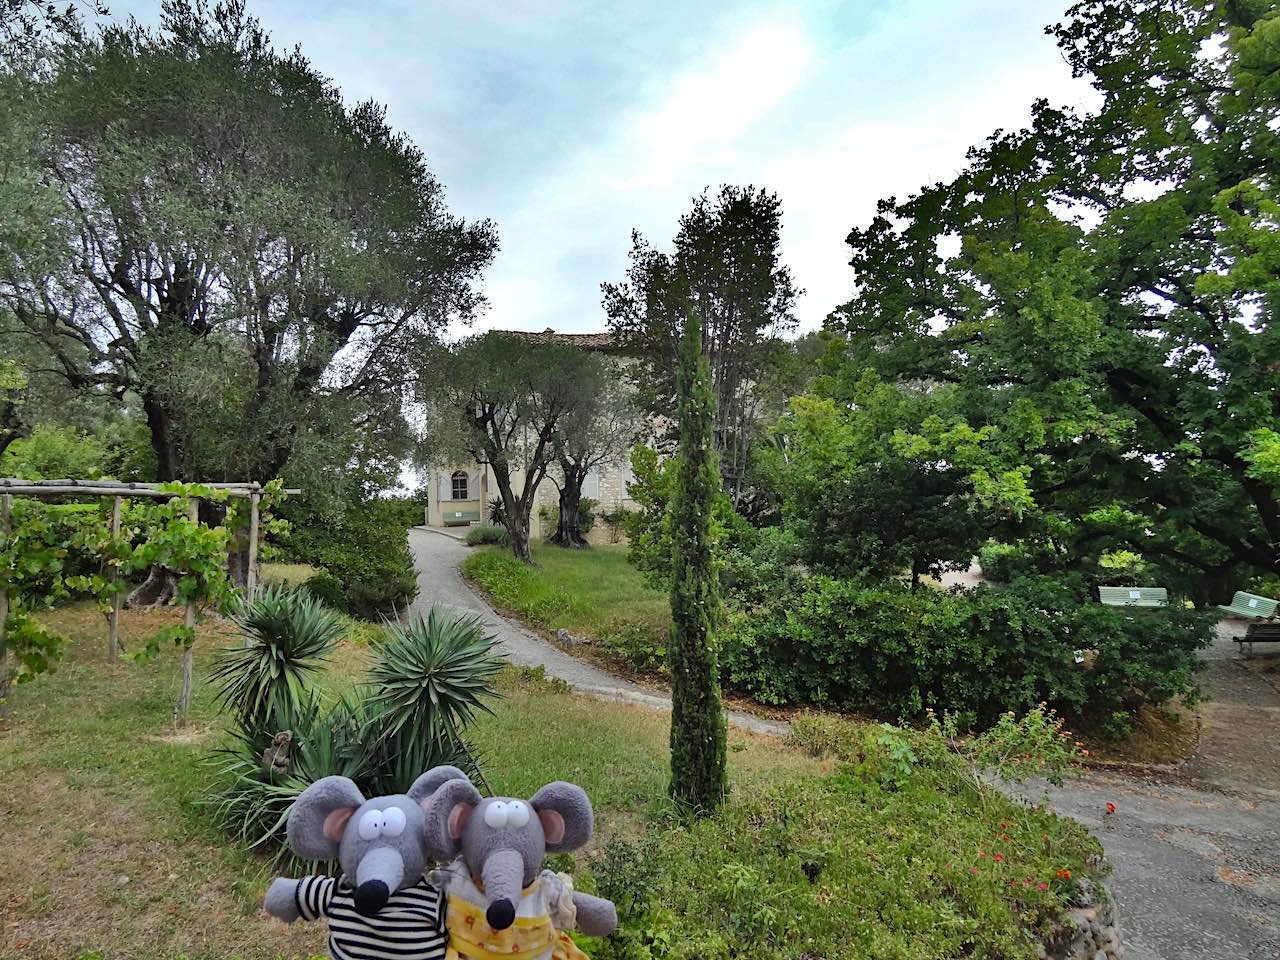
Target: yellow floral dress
x=545 y=911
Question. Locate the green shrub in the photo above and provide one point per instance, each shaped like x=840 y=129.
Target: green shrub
x=1004 y=562
x=326 y=588
x=760 y=564
x=426 y=682
x=365 y=546
x=920 y=866
x=640 y=646
x=893 y=653
x=480 y=536
x=52 y=452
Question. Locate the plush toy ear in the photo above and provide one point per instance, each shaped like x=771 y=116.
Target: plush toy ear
x=447 y=811
x=319 y=816
x=565 y=812
x=431 y=781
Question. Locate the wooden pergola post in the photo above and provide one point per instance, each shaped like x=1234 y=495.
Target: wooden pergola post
x=188 y=649
x=251 y=577
x=117 y=593
x=6 y=502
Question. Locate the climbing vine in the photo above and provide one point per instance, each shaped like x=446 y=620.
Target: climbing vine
x=57 y=551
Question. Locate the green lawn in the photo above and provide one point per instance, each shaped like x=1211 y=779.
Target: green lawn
x=593 y=593
x=107 y=851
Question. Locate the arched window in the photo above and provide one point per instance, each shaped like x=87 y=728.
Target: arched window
x=461 y=485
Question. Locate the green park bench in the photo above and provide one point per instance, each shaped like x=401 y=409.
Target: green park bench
x=458 y=518
x=1259 y=608
x=1250 y=605
x=1134 y=596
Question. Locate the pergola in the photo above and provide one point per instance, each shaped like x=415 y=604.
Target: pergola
x=119 y=492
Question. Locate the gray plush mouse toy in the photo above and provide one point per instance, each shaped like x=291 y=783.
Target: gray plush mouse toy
x=500 y=900
x=382 y=906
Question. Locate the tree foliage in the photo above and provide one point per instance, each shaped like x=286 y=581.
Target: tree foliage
x=258 y=262
x=698 y=766
x=726 y=266
x=1096 y=293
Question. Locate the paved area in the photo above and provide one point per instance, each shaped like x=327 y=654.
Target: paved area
x=1195 y=848
x=437 y=556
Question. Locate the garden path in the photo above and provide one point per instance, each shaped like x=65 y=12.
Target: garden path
x=437 y=556
x=1196 y=848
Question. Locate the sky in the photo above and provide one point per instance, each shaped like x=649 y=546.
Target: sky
x=569 y=125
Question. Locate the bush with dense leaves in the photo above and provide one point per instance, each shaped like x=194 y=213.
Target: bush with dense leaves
x=479 y=536
x=326 y=588
x=366 y=547
x=898 y=852
x=887 y=651
x=1004 y=562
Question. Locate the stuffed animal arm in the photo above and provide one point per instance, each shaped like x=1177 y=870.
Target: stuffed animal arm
x=499 y=898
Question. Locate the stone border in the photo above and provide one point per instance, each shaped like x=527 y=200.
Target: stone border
x=1091 y=933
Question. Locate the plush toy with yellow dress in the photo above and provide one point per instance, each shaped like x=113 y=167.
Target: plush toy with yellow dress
x=499 y=899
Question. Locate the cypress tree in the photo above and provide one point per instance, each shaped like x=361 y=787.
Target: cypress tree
x=697 y=716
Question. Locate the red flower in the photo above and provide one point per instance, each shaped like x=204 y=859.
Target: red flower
x=973 y=869
x=999 y=857
x=1042 y=886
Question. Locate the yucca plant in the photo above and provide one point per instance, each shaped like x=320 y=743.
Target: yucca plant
x=428 y=680
x=328 y=738
x=289 y=635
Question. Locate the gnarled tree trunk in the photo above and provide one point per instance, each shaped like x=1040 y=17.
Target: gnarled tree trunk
x=569 y=524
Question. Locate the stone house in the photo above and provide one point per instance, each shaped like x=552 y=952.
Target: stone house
x=458 y=494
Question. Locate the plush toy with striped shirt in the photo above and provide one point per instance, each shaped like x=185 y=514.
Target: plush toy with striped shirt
x=382 y=906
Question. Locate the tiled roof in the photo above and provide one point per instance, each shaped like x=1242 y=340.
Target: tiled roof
x=587 y=341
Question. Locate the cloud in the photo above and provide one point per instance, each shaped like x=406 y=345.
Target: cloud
x=569 y=124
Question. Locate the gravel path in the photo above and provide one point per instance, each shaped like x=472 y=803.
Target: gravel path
x=1195 y=848
x=437 y=556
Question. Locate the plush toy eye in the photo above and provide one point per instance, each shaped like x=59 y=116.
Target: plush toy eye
x=517 y=814
x=495 y=815
x=392 y=822
x=371 y=825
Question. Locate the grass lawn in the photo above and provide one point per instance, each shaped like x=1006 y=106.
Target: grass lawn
x=593 y=593
x=107 y=852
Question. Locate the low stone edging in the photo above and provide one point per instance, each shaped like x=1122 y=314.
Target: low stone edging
x=1092 y=932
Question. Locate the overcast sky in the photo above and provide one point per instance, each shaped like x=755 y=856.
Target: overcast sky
x=570 y=124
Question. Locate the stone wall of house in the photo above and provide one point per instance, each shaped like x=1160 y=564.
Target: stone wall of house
x=1092 y=932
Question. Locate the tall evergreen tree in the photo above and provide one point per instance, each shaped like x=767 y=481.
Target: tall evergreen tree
x=697 y=717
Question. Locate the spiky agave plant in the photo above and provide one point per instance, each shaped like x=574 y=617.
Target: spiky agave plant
x=289 y=634
x=428 y=680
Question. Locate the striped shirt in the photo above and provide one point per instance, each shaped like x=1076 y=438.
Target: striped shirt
x=407 y=928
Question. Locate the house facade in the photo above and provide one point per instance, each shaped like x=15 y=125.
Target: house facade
x=459 y=493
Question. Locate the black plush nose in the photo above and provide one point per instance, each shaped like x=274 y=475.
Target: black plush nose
x=372 y=896
x=501 y=914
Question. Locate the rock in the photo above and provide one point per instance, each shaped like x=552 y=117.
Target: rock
x=564 y=636
x=1100 y=955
